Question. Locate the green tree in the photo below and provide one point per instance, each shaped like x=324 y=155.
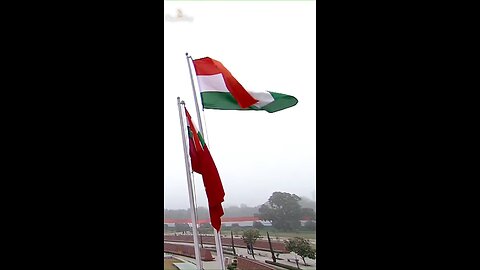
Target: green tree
x=301 y=247
x=180 y=213
x=282 y=210
x=182 y=227
x=249 y=237
x=205 y=228
x=308 y=213
x=310 y=225
x=307 y=203
x=202 y=212
x=258 y=225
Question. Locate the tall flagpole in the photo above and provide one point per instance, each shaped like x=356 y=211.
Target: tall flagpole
x=195 y=96
x=218 y=239
x=181 y=109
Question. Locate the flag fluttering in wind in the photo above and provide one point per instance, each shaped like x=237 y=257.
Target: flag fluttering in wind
x=202 y=163
x=220 y=90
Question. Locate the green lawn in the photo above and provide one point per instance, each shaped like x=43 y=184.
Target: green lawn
x=311 y=235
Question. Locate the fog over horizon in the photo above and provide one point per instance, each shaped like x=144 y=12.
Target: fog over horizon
x=270 y=46
x=240 y=205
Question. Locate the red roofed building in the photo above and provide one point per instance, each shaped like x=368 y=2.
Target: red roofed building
x=226 y=221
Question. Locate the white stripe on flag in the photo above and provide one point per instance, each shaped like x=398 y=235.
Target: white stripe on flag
x=212 y=83
x=216 y=83
x=263 y=98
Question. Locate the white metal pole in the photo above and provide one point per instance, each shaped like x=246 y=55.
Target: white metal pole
x=216 y=245
x=181 y=113
x=218 y=242
x=195 y=97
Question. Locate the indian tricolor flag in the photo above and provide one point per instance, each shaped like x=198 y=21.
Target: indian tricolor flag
x=220 y=90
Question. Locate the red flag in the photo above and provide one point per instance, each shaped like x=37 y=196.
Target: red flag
x=202 y=163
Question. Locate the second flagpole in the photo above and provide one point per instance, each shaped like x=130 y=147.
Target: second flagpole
x=181 y=112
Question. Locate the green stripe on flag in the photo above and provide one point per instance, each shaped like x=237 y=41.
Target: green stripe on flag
x=201 y=139
x=221 y=101
x=281 y=102
x=225 y=101
x=190 y=133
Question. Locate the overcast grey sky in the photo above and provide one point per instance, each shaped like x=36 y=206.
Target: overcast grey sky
x=265 y=45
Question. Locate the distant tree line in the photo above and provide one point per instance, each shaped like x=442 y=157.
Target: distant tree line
x=283 y=210
x=202 y=212
x=231 y=211
x=307 y=203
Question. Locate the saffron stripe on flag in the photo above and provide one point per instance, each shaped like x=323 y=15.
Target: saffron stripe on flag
x=208 y=66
